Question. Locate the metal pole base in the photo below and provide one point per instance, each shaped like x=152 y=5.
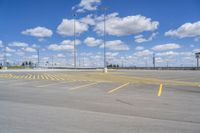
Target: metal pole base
x=105 y=70
x=5 y=68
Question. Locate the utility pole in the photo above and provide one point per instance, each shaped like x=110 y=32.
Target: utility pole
x=75 y=40
x=105 y=64
x=197 y=57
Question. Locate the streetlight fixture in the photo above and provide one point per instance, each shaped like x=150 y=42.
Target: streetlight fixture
x=105 y=64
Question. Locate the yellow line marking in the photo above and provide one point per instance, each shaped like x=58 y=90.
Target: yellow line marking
x=30 y=76
x=54 y=84
x=42 y=76
x=51 y=78
x=82 y=86
x=55 y=78
x=26 y=77
x=113 y=90
x=160 y=90
x=46 y=77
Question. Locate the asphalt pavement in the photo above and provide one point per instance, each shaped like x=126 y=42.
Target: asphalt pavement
x=135 y=101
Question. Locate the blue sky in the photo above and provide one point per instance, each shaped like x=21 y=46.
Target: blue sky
x=135 y=30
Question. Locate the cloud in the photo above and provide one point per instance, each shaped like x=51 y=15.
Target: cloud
x=88 y=20
x=138 y=48
x=143 y=53
x=58 y=47
x=168 y=53
x=20 y=53
x=196 y=50
x=40 y=32
x=29 y=49
x=116 y=45
x=66 y=28
x=60 y=56
x=70 y=42
x=168 y=46
x=112 y=54
x=141 y=39
x=18 y=44
x=1 y=44
x=66 y=45
x=87 y=5
x=186 y=30
x=92 y=42
x=129 y=25
x=8 y=54
x=9 y=50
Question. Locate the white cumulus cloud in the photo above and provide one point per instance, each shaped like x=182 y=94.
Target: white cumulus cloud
x=66 y=45
x=60 y=56
x=186 y=30
x=9 y=50
x=1 y=44
x=66 y=28
x=121 y=26
x=40 y=32
x=18 y=44
x=138 y=48
x=91 y=41
x=140 y=38
x=168 y=53
x=116 y=45
x=87 y=5
x=145 y=52
x=29 y=49
x=58 y=47
x=168 y=46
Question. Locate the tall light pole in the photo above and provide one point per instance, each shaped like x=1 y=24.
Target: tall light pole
x=38 y=55
x=104 y=31
x=52 y=62
x=197 y=57
x=154 y=61
x=5 y=56
x=75 y=40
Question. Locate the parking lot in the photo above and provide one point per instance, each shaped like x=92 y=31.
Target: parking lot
x=123 y=101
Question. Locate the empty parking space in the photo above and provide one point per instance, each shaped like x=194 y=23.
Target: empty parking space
x=121 y=94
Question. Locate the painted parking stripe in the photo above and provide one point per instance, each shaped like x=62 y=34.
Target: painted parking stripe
x=113 y=90
x=82 y=86
x=46 y=85
x=160 y=90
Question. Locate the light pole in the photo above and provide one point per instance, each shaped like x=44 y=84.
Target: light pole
x=5 y=57
x=38 y=55
x=104 y=31
x=154 y=61
x=52 y=62
x=75 y=40
x=197 y=57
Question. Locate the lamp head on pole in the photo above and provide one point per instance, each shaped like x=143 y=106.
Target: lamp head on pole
x=197 y=55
